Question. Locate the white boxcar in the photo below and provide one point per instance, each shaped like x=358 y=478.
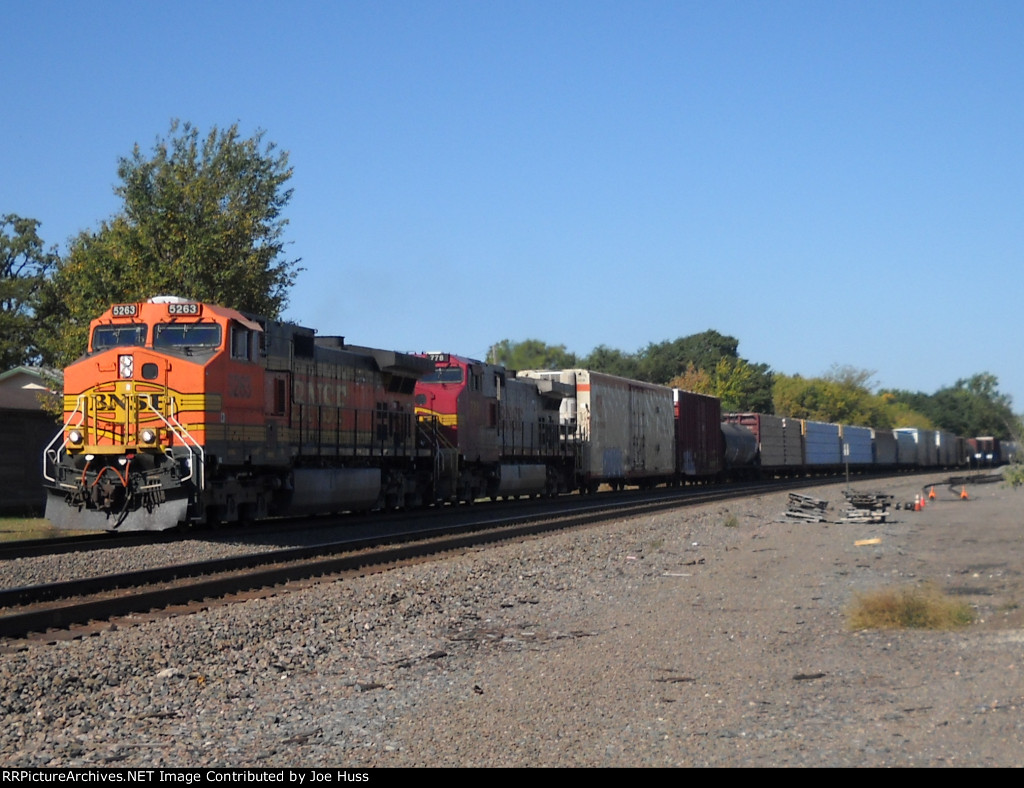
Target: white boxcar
x=821 y=443
x=856 y=443
x=906 y=447
x=625 y=428
x=924 y=443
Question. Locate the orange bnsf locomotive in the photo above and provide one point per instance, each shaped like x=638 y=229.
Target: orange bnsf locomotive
x=184 y=412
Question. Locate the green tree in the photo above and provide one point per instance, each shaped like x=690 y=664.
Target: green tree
x=743 y=386
x=202 y=218
x=971 y=407
x=24 y=266
x=699 y=381
x=662 y=361
x=840 y=397
x=530 y=354
x=740 y=385
x=903 y=415
x=612 y=362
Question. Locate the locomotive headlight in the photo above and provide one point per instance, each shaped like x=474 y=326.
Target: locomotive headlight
x=148 y=436
x=75 y=438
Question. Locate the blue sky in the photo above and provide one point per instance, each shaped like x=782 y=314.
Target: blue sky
x=828 y=182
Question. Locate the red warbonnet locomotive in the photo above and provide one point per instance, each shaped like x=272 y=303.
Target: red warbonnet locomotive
x=493 y=434
x=183 y=412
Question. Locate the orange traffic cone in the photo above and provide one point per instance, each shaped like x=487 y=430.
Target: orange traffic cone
x=931 y=493
x=963 y=493
x=917 y=503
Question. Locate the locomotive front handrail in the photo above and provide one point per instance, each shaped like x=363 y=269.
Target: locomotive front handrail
x=195 y=449
x=54 y=455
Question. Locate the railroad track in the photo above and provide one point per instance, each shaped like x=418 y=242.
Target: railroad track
x=37 y=612
x=76 y=543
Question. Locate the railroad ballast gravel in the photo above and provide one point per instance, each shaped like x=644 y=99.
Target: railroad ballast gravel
x=708 y=636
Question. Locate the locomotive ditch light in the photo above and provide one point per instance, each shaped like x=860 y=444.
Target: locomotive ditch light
x=75 y=438
x=148 y=436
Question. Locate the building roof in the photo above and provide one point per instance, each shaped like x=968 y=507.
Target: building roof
x=20 y=387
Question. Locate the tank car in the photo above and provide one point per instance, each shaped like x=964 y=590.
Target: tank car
x=740 y=450
x=493 y=435
x=187 y=412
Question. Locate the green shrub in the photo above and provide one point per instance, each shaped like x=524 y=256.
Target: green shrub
x=1013 y=475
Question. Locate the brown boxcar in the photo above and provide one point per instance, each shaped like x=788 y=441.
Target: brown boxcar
x=700 y=449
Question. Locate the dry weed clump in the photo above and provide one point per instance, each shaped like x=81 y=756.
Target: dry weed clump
x=911 y=607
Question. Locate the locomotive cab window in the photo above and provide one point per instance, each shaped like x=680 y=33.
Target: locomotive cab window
x=187 y=336
x=133 y=334
x=241 y=342
x=444 y=375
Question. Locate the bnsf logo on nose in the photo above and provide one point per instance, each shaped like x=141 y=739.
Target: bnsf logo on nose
x=141 y=402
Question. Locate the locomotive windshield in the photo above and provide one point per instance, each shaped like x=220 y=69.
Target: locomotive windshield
x=104 y=337
x=186 y=335
x=444 y=375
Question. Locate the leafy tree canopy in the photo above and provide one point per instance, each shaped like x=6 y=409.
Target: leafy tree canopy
x=740 y=385
x=697 y=380
x=971 y=407
x=660 y=362
x=612 y=362
x=24 y=266
x=202 y=218
x=842 y=397
x=706 y=363
x=531 y=354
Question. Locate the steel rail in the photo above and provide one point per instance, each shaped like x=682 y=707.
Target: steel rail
x=31 y=609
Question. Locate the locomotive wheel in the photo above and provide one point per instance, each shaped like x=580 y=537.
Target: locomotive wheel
x=246 y=513
x=213 y=517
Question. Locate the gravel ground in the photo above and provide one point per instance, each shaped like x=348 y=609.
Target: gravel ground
x=134 y=557
x=710 y=636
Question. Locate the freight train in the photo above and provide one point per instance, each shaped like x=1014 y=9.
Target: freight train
x=185 y=413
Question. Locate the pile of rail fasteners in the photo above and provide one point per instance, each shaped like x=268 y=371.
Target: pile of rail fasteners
x=804 y=507
x=866 y=507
